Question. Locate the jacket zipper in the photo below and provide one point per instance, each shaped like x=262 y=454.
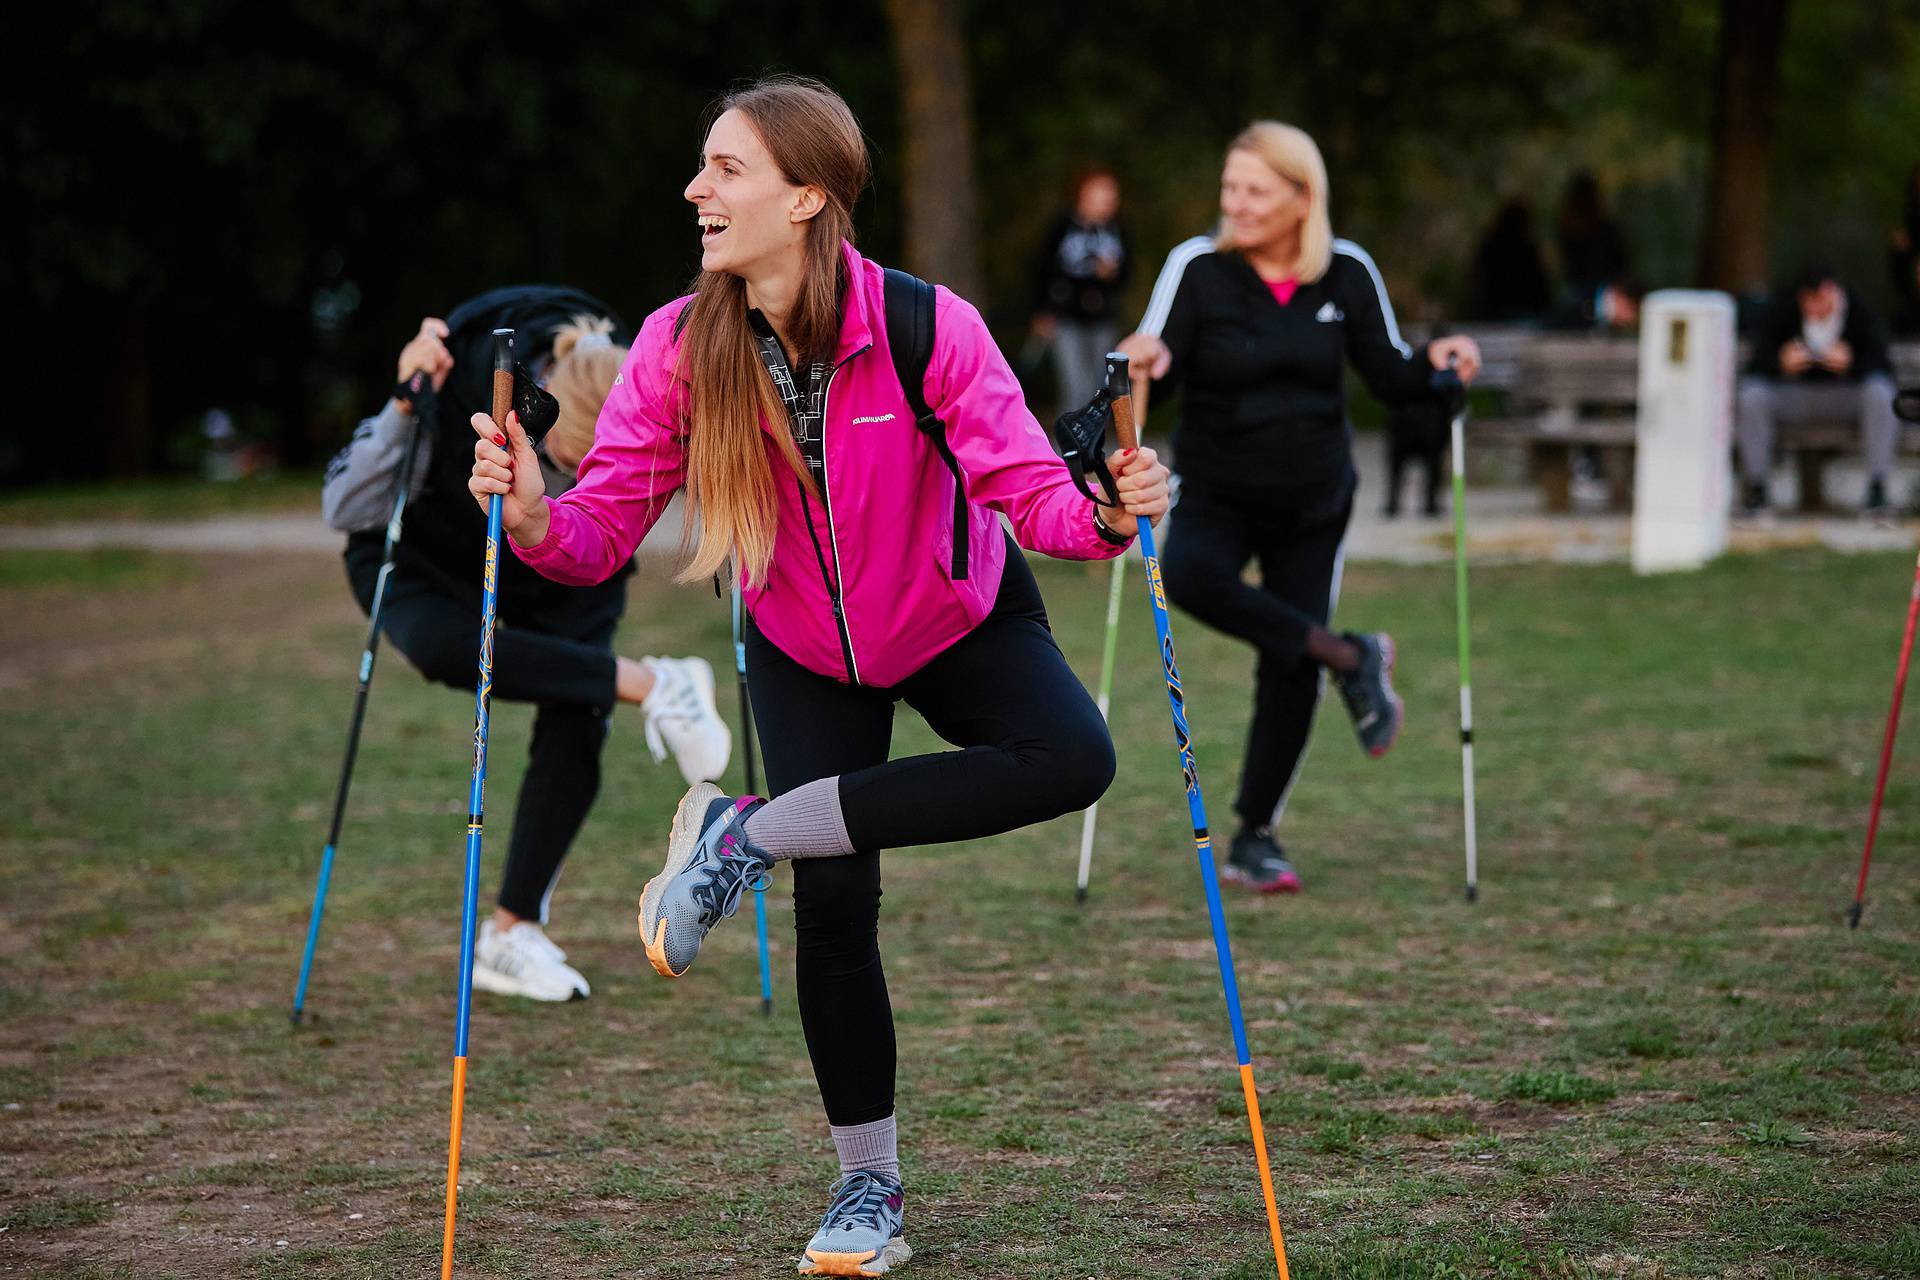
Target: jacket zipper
x=833 y=541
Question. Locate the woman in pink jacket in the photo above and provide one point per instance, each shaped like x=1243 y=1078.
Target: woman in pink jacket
x=769 y=395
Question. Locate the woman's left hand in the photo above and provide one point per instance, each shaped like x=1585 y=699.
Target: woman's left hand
x=1460 y=347
x=1141 y=479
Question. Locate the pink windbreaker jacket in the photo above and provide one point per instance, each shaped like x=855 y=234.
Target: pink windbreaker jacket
x=889 y=542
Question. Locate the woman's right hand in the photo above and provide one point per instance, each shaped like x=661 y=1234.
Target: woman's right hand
x=506 y=465
x=1147 y=355
x=427 y=350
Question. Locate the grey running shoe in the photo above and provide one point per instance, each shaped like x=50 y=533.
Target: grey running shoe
x=1368 y=693
x=1259 y=863
x=709 y=866
x=860 y=1234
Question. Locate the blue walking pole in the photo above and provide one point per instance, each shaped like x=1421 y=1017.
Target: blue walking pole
x=1119 y=389
x=417 y=391
x=476 y=797
x=746 y=740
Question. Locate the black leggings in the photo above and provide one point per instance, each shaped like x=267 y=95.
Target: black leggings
x=1032 y=747
x=1214 y=533
x=556 y=653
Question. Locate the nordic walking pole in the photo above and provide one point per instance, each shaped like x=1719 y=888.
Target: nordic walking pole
x=753 y=789
x=1447 y=383
x=1886 y=752
x=1907 y=405
x=1106 y=688
x=1119 y=389
x=417 y=390
x=476 y=801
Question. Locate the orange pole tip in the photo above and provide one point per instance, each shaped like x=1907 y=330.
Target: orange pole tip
x=1266 y=1170
x=453 y=1165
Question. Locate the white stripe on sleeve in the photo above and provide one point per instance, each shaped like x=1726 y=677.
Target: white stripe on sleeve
x=1169 y=282
x=1360 y=255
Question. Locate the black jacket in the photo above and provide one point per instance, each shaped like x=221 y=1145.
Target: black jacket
x=445 y=534
x=1263 y=401
x=1781 y=323
x=1065 y=282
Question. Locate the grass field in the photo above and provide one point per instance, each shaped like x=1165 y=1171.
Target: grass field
x=164 y=498
x=1652 y=1049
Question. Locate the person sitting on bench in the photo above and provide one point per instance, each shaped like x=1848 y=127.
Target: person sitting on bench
x=1818 y=356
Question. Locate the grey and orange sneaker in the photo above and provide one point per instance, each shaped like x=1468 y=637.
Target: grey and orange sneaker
x=1367 y=690
x=860 y=1233
x=709 y=866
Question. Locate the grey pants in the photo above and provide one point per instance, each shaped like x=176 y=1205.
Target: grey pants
x=1080 y=360
x=1765 y=403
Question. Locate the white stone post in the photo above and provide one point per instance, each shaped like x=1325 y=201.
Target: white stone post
x=1682 y=468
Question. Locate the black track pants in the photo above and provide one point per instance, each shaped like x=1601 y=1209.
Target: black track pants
x=1031 y=745
x=1214 y=533
x=557 y=656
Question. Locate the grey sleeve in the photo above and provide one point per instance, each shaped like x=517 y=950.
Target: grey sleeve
x=358 y=491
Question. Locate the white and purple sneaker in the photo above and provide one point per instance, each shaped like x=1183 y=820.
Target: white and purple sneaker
x=860 y=1234
x=709 y=867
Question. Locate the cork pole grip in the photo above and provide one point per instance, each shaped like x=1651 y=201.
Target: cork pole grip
x=1142 y=387
x=1120 y=391
x=502 y=377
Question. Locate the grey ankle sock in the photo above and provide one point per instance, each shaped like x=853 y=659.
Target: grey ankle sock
x=872 y=1147
x=804 y=823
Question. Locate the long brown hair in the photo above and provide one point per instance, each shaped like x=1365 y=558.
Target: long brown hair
x=814 y=140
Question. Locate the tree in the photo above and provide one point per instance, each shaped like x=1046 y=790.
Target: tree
x=942 y=208
x=1746 y=97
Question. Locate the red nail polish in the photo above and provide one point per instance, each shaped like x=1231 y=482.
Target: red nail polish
x=500 y=440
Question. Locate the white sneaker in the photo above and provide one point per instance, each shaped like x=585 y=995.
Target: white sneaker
x=681 y=718
x=523 y=961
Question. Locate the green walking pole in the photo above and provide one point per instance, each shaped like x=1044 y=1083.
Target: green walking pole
x=1448 y=384
x=1106 y=688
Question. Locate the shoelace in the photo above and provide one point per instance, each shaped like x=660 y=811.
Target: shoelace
x=753 y=874
x=857 y=1197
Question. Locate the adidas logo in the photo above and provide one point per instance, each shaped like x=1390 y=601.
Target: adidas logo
x=1329 y=314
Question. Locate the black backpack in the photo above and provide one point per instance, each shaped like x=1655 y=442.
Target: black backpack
x=910 y=337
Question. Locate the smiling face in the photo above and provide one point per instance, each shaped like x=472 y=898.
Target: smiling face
x=1259 y=208
x=753 y=222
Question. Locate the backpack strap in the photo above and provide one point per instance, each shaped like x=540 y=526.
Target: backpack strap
x=910 y=338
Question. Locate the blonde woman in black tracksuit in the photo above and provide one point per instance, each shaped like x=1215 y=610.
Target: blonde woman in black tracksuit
x=1253 y=326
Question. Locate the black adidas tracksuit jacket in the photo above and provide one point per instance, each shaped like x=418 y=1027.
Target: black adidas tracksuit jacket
x=1266 y=465
x=1263 y=402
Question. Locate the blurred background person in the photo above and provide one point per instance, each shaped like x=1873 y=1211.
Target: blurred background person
x=554 y=645
x=1254 y=327
x=1819 y=354
x=1595 y=265
x=1082 y=268
x=1507 y=281
x=1903 y=260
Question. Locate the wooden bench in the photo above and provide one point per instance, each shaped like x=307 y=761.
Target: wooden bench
x=1551 y=393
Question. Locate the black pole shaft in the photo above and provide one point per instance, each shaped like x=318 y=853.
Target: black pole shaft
x=422 y=401
x=746 y=734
